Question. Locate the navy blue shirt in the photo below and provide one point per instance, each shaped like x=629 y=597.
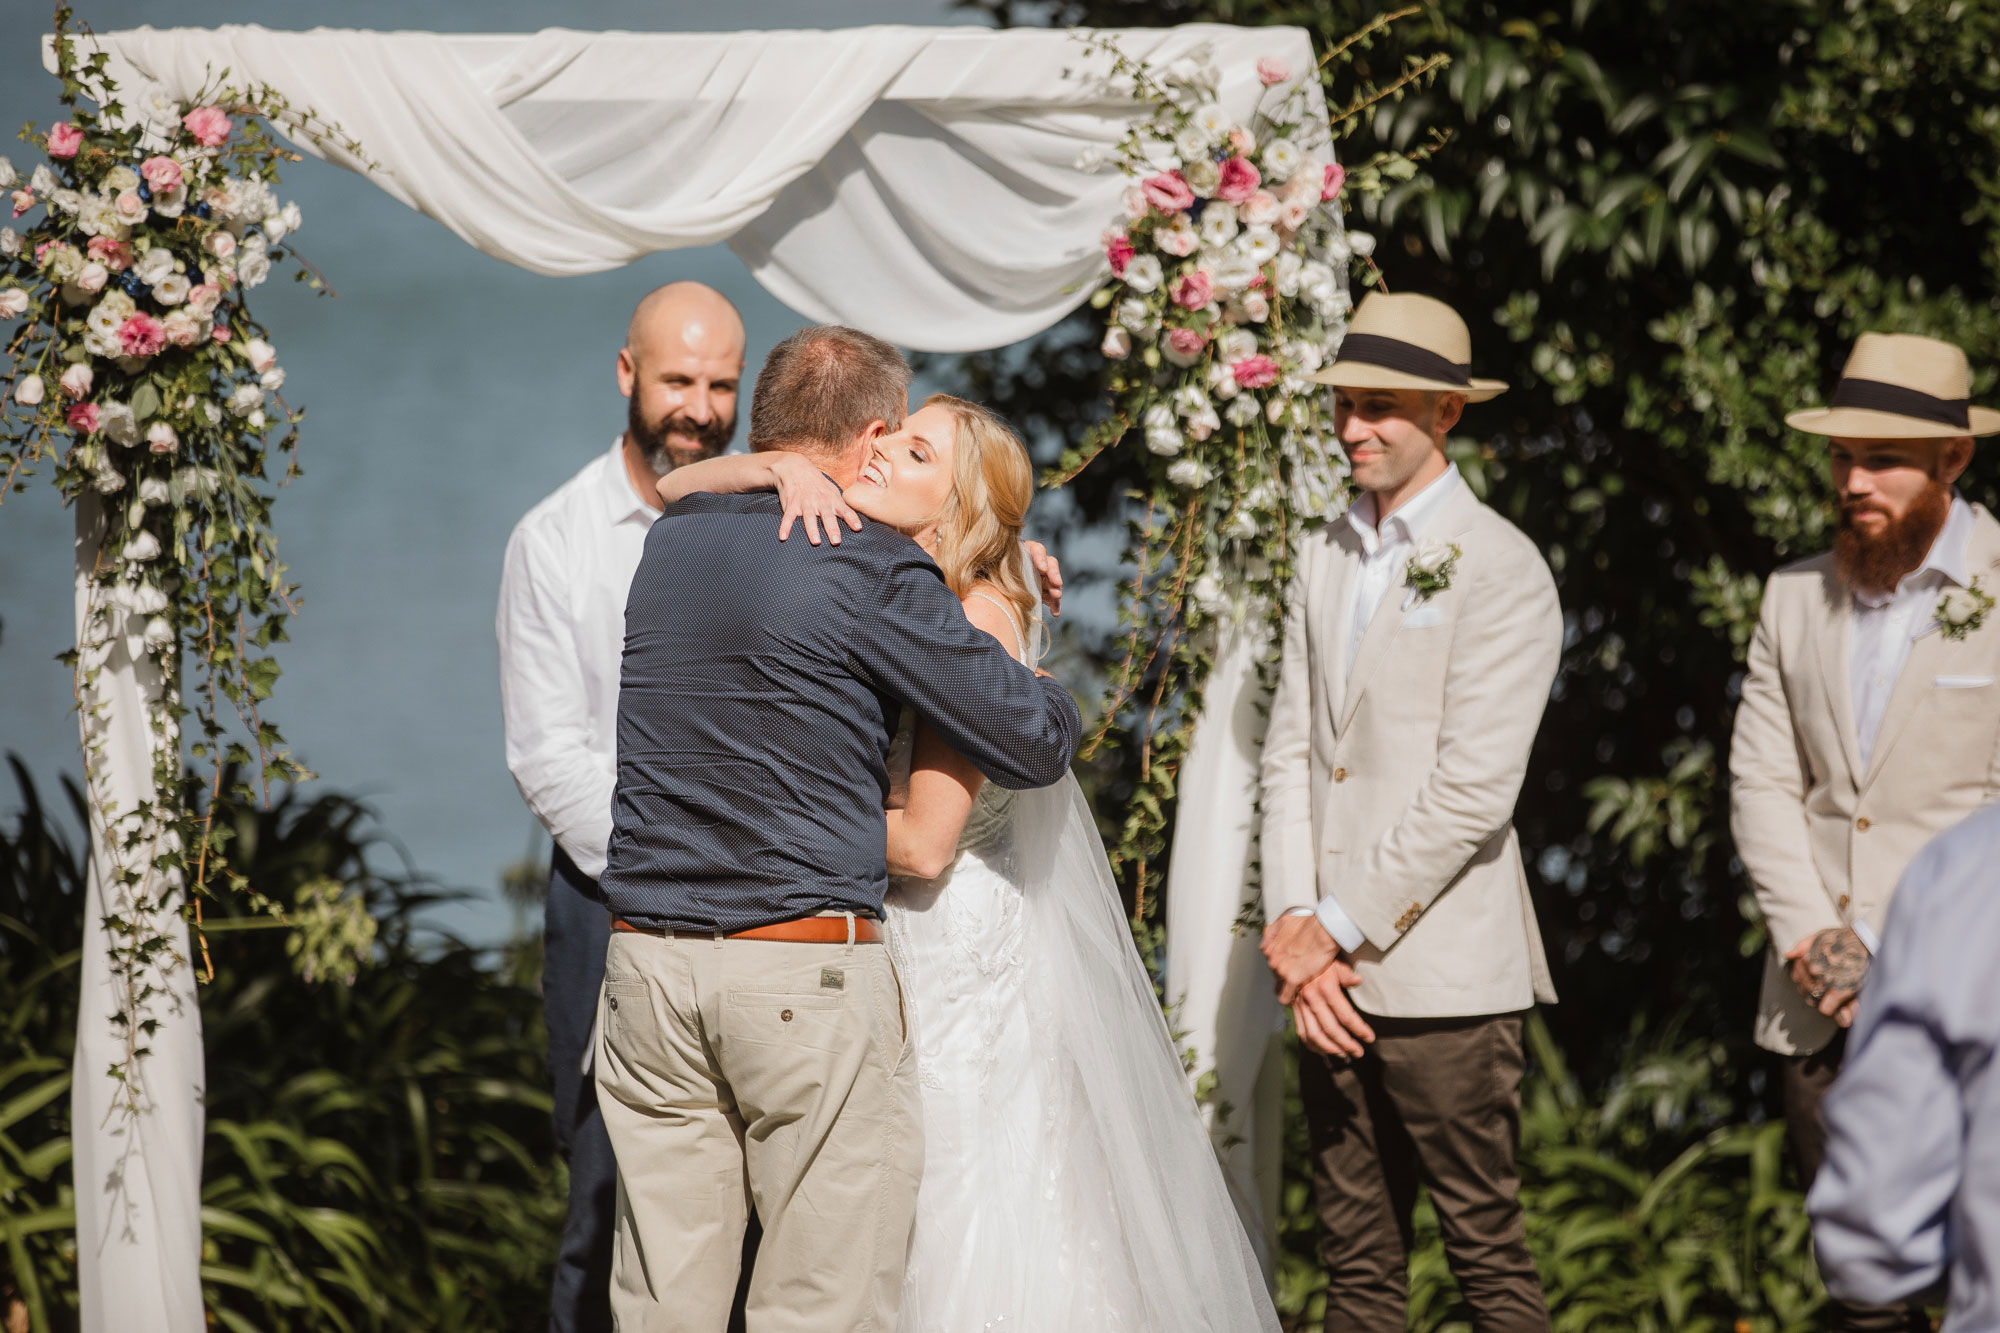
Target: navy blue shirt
x=761 y=685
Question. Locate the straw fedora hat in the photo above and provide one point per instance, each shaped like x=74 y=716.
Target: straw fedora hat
x=1407 y=342
x=1898 y=386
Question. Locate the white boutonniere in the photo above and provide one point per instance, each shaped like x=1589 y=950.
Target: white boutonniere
x=1430 y=569
x=1962 y=610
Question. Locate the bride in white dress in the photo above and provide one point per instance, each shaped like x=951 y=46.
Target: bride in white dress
x=1069 y=1185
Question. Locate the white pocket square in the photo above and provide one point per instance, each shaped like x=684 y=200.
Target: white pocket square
x=1961 y=682
x=1424 y=617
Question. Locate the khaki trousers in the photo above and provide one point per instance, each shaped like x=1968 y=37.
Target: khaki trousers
x=1807 y=1079
x=1431 y=1100
x=741 y=1071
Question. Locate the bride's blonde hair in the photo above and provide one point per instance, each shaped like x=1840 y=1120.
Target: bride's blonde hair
x=992 y=481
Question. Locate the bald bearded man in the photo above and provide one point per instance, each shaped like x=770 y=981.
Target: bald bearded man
x=562 y=630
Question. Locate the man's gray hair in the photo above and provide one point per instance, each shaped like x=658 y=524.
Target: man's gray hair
x=821 y=387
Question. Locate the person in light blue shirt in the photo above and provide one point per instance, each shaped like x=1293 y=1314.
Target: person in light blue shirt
x=1907 y=1205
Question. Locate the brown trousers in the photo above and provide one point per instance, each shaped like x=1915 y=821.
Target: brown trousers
x=1436 y=1101
x=1806 y=1081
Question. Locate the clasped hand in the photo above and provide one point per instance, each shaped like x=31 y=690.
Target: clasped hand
x=1313 y=979
x=1828 y=968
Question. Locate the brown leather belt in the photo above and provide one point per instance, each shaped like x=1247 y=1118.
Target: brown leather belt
x=805 y=930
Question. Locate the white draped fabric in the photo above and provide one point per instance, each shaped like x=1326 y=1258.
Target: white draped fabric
x=921 y=183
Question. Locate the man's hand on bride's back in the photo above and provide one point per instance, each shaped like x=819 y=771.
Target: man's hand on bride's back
x=809 y=495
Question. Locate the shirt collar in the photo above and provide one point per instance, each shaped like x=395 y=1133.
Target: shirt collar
x=622 y=502
x=1413 y=516
x=1947 y=556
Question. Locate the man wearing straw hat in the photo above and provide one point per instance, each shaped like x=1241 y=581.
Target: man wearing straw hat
x=1421 y=640
x=1870 y=719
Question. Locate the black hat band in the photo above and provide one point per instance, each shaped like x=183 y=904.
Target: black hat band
x=1394 y=354
x=1875 y=396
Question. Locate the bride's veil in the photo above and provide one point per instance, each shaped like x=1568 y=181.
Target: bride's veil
x=1130 y=1149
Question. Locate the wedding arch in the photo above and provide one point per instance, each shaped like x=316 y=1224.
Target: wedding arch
x=949 y=189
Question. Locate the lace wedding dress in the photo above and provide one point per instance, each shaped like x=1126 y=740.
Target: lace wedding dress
x=1069 y=1185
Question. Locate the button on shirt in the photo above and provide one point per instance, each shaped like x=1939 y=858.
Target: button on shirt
x=1886 y=624
x=1385 y=551
x=562 y=629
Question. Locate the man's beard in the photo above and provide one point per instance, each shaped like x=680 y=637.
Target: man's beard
x=710 y=437
x=1878 y=563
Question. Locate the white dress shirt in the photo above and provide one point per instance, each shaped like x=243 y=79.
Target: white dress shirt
x=1886 y=624
x=1386 y=549
x=562 y=634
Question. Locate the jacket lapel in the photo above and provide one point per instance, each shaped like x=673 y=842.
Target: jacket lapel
x=1450 y=524
x=1835 y=638
x=1927 y=653
x=1342 y=556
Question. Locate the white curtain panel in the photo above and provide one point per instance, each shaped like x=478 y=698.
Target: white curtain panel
x=920 y=183
x=917 y=182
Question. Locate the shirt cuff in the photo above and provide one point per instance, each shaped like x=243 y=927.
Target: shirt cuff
x=1339 y=924
x=1866 y=934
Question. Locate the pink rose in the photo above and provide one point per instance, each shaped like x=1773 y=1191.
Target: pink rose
x=221 y=243
x=1193 y=290
x=208 y=124
x=1178 y=240
x=130 y=206
x=1168 y=191
x=141 y=335
x=64 y=140
x=76 y=381
x=1336 y=176
x=221 y=333
x=82 y=417
x=1238 y=181
x=1240 y=139
x=1118 y=249
x=202 y=300
x=162 y=173
x=1185 y=342
x=1272 y=70
x=183 y=329
x=1259 y=210
x=1255 y=372
x=116 y=256
x=1292 y=214
x=92 y=277
x=23 y=201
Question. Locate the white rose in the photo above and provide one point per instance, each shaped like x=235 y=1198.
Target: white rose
x=1259 y=210
x=1281 y=159
x=1277 y=410
x=1204 y=425
x=1289 y=268
x=1208 y=592
x=1218 y=224
x=212 y=412
x=1292 y=214
x=119 y=179
x=1190 y=401
x=1160 y=416
x=252 y=267
x=153 y=491
x=1192 y=143
x=255 y=421
x=65 y=263
x=171 y=290
x=1137 y=205
x=106 y=479
x=155 y=265
x=1432 y=556
x=1177 y=238
x=292 y=217
x=1957 y=606
x=171 y=203
x=99 y=343
x=1166 y=443
x=1117 y=343
x=1236 y=344
x=260 y=354
x=274 y=378
x=44 y=181
x=1255 y=307
x=118 y=424
x=10 y=242
x=1202 y=176
x=220 y=244
x=1304 y=355
x=246 y=399
x=1143 y=273
x=109 y=313
x=1212 y=121
x=1259 y=244
x=7 y=176
x=202 y=304
x=1239 y=525
x=159 y=633
x=76 y=381
x=1242 y=411
x=160 y=438
x=65 y=201
x=145 y=546
x=90 y=279
x=1221 y=380
x=1187 y=472
x=29 y=391
x=183 y=329
x=159 y=108
x=1134 y=315
x=13 y=301
x=99 y=217
x=131 y=208
x=1361 y=242
x=1231 y=271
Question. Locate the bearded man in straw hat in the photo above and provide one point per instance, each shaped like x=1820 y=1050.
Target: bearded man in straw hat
x=1870 y=719
x=1421 y=640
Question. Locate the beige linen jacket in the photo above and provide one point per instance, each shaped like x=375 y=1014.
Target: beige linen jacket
x=1823 y=841
x=1393 y=787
